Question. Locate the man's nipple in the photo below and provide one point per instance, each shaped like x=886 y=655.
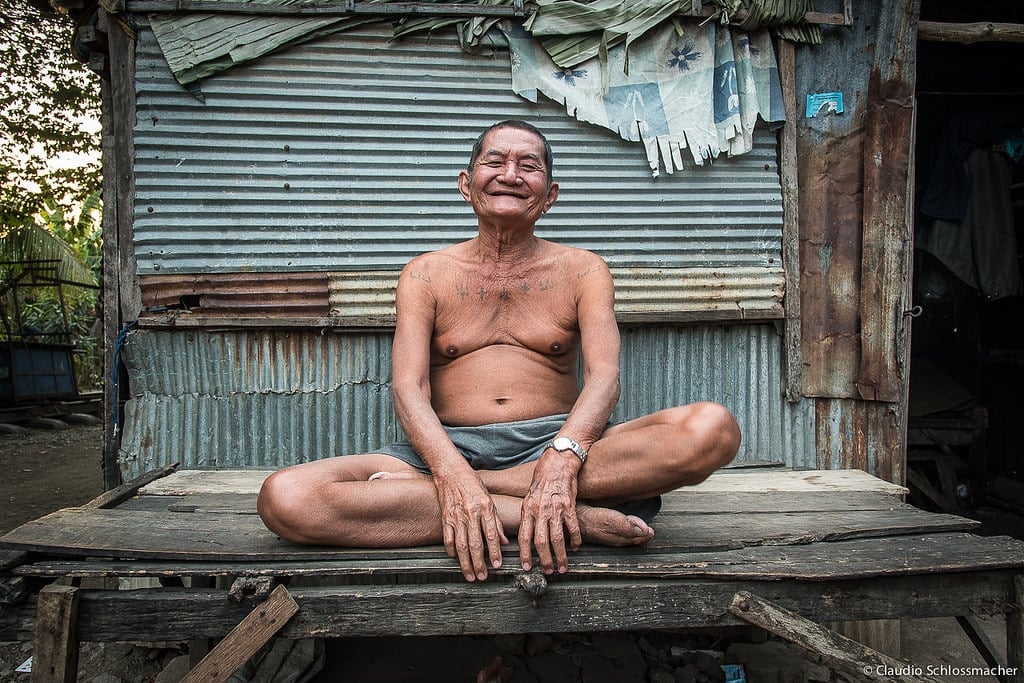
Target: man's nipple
x=451 y=350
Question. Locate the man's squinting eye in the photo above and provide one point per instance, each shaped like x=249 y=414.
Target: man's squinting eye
x=525 y=166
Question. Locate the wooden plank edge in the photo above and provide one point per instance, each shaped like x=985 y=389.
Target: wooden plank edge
x=119 y=494
x=836 y=650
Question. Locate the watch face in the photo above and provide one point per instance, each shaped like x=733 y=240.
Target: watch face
x=562 y=443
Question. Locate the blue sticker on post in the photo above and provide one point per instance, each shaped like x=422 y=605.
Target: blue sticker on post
x=824 y=104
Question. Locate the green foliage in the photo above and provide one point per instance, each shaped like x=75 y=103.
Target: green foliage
x=49 y=106
x=49 y=187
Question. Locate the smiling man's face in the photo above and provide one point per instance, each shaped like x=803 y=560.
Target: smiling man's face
x=509 y=179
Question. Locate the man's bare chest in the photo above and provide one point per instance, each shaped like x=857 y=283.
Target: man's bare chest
x=538 y=316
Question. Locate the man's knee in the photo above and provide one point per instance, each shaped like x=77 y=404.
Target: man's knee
x=712 y=429
x=281 y=503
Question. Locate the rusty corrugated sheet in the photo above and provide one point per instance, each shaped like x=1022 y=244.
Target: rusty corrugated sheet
x=264 y=398
x=869 y=436
x=641 y=294
x=269 y=293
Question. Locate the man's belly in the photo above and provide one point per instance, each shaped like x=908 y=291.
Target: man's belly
x=501 y=384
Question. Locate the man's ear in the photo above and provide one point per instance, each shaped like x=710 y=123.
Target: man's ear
x=464 y=181
x=552 y=196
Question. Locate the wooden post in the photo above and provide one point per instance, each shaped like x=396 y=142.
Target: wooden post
x=55 y=651
x=1015 y=633
x=246 y=639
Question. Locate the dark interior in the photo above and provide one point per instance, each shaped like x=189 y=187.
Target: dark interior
x=967 y=353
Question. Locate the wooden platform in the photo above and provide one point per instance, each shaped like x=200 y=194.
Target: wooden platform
x=830 y=546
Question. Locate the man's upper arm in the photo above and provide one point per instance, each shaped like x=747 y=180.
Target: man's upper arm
x=599 y=332
x=414 y=303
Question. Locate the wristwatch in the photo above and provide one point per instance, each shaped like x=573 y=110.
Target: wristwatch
x=564 y=443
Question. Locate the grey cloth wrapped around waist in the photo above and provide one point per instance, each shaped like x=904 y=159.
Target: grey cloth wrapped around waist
x=501 y=445
x=496 y=446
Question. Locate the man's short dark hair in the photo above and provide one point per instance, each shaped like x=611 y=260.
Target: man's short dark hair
x=478 y=146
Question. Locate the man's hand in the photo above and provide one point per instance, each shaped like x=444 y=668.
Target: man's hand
x=470 y=522
x=549 y=510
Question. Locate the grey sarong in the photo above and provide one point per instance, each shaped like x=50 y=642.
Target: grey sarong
x=495 y=446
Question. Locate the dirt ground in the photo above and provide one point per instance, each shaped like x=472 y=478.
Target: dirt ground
x=47 y=469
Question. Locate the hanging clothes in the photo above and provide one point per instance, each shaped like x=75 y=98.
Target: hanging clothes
x=980 y=249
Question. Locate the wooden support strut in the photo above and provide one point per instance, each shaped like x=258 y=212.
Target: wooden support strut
x=55 y=650
x=835 y=650
x=1015 y=633
x=246 y=639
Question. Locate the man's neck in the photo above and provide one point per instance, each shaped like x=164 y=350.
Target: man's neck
x=498 y=246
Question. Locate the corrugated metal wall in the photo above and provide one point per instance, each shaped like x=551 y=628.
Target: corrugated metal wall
x=267 y=399
x=342 y=155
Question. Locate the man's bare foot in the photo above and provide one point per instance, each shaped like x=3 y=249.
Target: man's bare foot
x=605 y=526
x=397 y=475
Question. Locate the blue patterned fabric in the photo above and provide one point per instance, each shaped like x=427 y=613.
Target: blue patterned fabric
x=679 y=87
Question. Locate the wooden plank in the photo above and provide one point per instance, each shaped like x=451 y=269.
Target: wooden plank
x=682 y=501
x=119 y=494
x=887 y=227
x=1015 y=631
x=793 y=363
x=859 y=558
x=246 y=639
x=55 y=648
x=185 y=482
x=140 y=535
x=837 y=651
x=979 y=638
x=494 y=607
x=976 y=32
x=744 y=502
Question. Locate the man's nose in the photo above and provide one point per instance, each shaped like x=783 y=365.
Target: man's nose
x=510 y=172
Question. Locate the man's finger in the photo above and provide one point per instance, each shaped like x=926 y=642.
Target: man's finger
x=541 y=542
x=449 y=538
x=525 y=542
x=572 y=525
x=462 y=553
x=476 y=550
x=495 y=539
x=557 y=535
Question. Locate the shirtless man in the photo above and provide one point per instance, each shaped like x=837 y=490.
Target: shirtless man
x=501 y=440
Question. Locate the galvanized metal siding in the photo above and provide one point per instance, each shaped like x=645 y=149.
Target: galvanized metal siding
x=268 y=399
x=342 y=154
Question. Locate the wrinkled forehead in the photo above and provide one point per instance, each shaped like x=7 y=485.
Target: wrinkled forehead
x=515 y=142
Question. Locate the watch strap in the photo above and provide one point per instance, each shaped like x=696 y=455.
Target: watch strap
x=569 y=445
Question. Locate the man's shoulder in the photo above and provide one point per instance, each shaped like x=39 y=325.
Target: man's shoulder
x=431 y=259
x=582 y=259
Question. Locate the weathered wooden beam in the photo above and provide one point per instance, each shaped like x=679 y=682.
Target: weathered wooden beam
x=119 y=494
x=329 y=8
x=792 y=352
x=1015 y=632
x=978 y=32
x=246 y=639
x=976 y=634
x=55 y=650
x=837 y=651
